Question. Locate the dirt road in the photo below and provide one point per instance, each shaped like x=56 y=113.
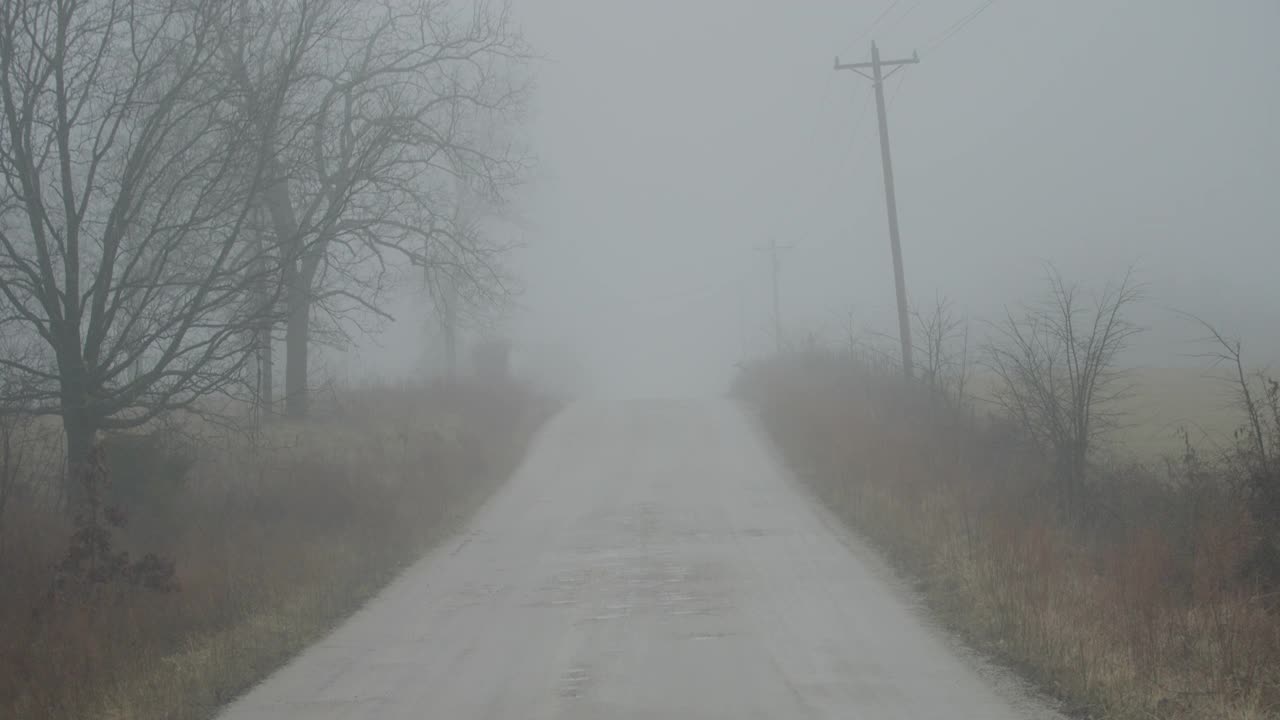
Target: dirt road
x=650 y=560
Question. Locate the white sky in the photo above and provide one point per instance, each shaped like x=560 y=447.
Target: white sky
x=676 y=135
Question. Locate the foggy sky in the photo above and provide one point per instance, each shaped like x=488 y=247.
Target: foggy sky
x=674 y=137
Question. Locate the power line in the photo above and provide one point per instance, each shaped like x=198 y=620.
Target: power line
x=897 y=89
x=817 y=121
x=959 y=25
x=875 y=23
x=820 y=198
x=843 y=158
x=772 y=170
x=904 y=16
x=848 y=154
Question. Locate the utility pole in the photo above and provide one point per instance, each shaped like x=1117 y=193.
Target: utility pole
x=878 y=77
x=775 y=263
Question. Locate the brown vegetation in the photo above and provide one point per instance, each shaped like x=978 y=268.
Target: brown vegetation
x=273 y=538
x=1147 y=602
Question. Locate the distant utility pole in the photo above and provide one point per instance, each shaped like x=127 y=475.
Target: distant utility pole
x=773 y=249
x=891 y=201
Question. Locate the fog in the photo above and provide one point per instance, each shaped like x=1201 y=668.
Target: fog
x=675 y=138
x=298 y=299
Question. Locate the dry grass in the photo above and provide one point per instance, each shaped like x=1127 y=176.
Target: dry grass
x=1141 y=611
x=275 y=539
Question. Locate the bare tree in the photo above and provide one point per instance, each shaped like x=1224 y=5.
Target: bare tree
x=129 y=168
x=1256 y=455
x=942 y=341
x=383 y=107
x=1056 y=364
x=1230 y=352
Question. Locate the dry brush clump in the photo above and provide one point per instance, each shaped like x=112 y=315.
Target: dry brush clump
x=1142 y=606
x=273 y=537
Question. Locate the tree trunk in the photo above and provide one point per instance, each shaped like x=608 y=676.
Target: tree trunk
x=79 y=423
x=297 y=337
x=297 y=287
x=266 y=372
x=81 y=432
x=266 y=301
x=300 y=277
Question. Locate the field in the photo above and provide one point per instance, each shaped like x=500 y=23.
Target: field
x=1167 y=400
x=1161 y=402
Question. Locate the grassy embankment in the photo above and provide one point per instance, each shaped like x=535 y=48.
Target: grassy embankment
x=1142 y=609
x=275 y=539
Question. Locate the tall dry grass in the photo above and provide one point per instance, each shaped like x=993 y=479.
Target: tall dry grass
x=1142 y=608
x=275 y=538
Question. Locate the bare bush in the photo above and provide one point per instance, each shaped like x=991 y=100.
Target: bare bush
x=1256 y=455
x=1056 y=365
x=942 y=341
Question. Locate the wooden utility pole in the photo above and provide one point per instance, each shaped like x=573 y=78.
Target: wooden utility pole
x=878 y=77
x=776 y=265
